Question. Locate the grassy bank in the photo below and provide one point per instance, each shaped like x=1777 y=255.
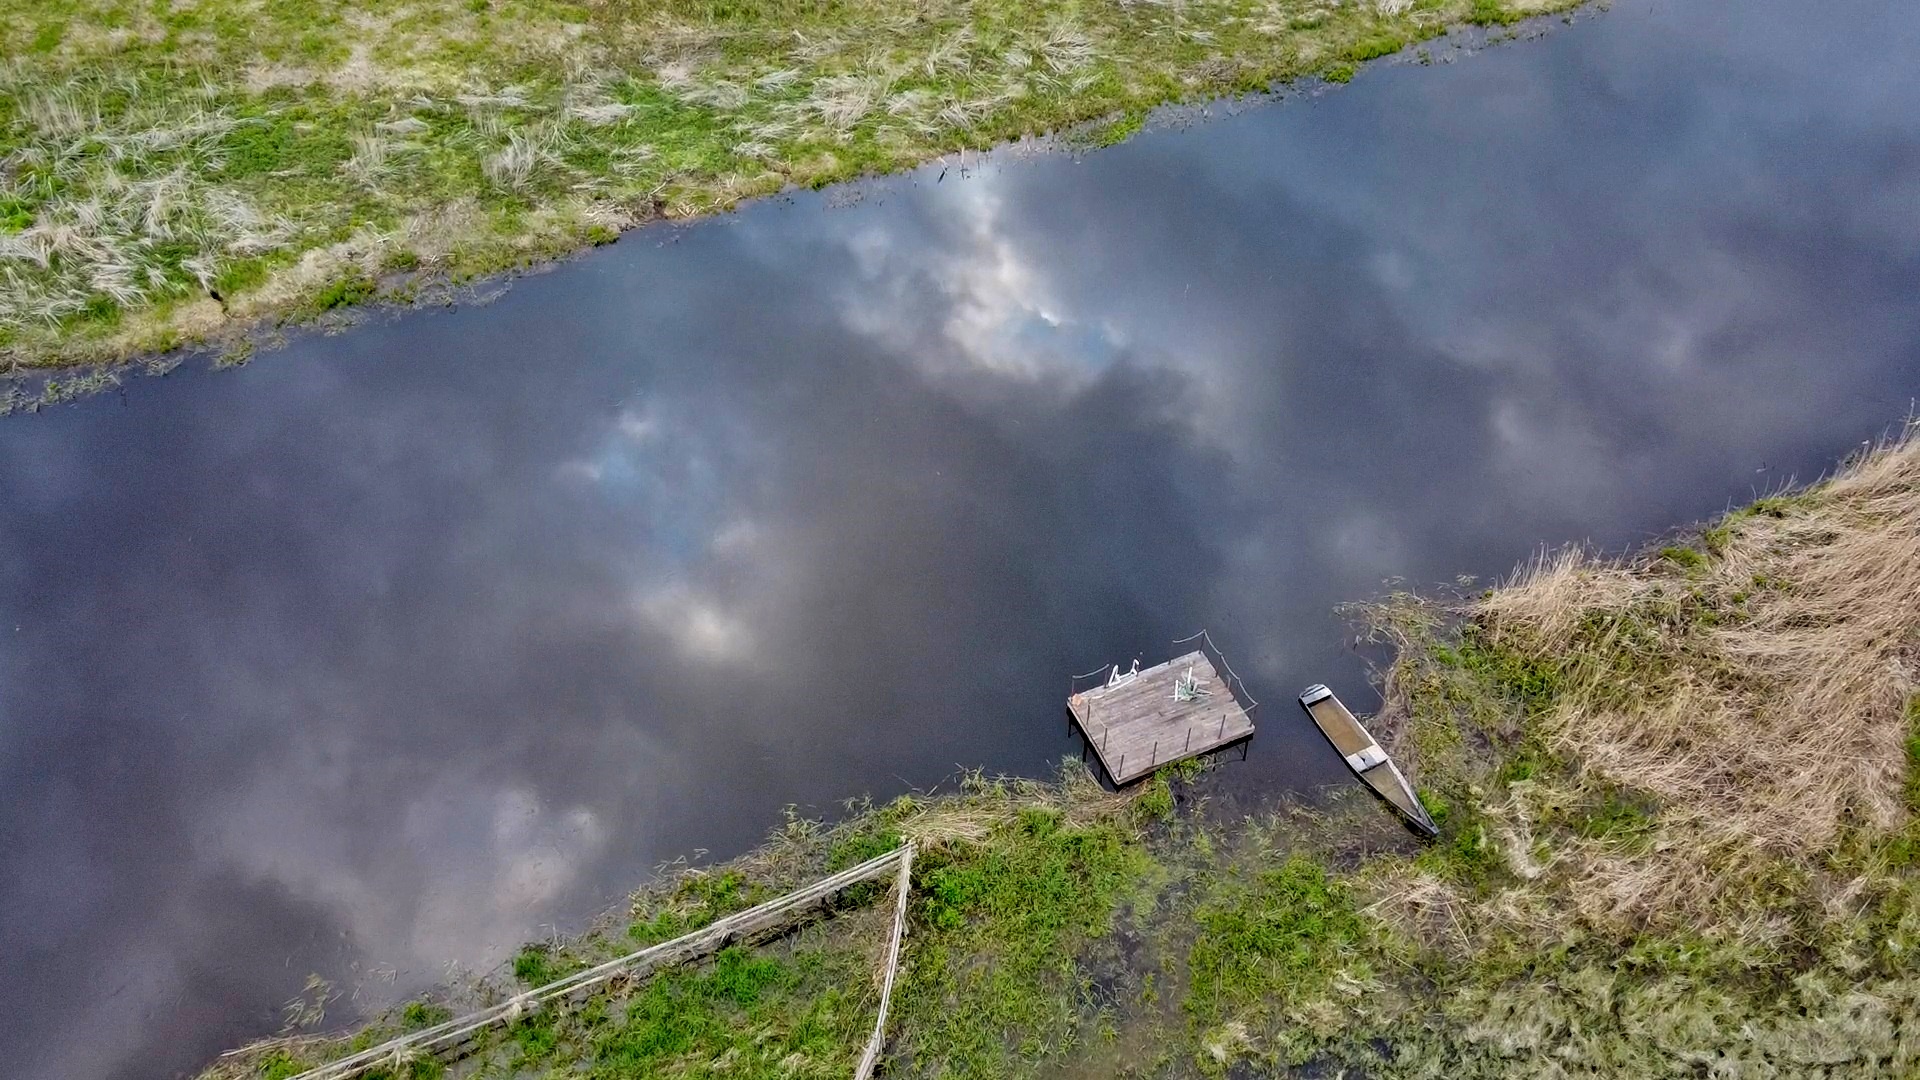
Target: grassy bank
x=1680 y=802
x=292 y=158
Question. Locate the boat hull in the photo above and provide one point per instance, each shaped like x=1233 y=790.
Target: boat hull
x=1365 y=756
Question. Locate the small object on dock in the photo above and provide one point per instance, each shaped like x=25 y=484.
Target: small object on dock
x=1188 y=687
x=1365 y=757
x=1171 y=706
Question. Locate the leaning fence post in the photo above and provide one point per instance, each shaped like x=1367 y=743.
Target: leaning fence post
x=872 y=1056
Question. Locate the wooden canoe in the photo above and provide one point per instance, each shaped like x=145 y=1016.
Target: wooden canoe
x=1365 y=757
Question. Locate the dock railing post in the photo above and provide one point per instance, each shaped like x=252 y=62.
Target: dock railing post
x=1155 y=759
x=1121 y=770
x=1189 y=745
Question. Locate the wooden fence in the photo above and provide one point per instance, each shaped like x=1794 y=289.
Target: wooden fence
x=680 y=950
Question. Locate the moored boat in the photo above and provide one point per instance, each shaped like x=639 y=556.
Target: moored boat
x=1367 y=759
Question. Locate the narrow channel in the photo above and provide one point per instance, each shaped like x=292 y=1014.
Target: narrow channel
x=399 y=646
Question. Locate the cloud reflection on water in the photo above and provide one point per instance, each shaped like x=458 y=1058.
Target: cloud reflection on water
x=397 y=645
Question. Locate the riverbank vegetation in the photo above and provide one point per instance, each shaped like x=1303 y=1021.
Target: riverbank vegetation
x=180 y=172
x=1679 y=795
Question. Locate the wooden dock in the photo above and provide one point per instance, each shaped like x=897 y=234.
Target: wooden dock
x=1138 y=723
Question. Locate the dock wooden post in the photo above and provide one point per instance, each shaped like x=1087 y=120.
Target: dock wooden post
x=1155 y=759
x=1189 y=745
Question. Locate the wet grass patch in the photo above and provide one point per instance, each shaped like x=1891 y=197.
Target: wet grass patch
x=996 y=985
x=1266 y=943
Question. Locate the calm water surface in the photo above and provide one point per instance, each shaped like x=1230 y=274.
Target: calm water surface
x=397 y=645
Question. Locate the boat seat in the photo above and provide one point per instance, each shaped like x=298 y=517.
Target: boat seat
x=1363 y=760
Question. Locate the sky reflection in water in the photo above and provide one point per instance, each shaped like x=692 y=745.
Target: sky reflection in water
x=396 y=645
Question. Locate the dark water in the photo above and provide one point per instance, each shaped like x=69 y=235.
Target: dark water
x=397 y=645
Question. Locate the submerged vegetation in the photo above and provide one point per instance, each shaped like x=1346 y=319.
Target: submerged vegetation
x=1680 y=808
x=179 y=172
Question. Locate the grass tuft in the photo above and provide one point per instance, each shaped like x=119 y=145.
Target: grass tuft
x=1155 y=801
x=421 y=1014
x=1913 y=755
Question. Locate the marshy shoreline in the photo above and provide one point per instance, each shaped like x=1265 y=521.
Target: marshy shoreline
x=1679 y=794
x=206 y=177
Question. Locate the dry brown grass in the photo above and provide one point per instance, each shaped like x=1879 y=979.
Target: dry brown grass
x=1681 y=836
x=1748 y=700
x=1758 y=694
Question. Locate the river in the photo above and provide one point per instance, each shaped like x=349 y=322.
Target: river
x=399 y=646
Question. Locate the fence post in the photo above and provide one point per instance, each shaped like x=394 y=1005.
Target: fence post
x=872 y=1055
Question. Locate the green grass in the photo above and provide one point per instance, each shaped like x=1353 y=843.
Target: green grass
x=421 y=1014
x=995 y=982
x=1684 y=557
x=343 y=292
x=280 y=1066
x=1155 y=801
x=1265 y=944
x=1615 y=815
x=698 y=900
x=1119 y=131
x=1371 y=48
x=1749 y=964
x=291 y=156
x=1913 y=754
x=752 y=1013
x=539 y=964
x=1530 y=681
x=1492 y=13
x=804 y=1013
